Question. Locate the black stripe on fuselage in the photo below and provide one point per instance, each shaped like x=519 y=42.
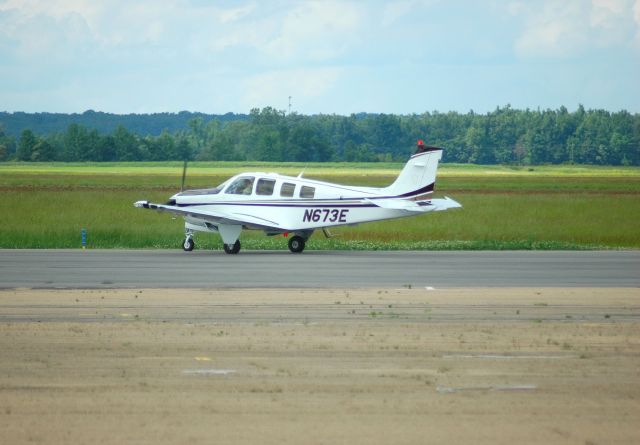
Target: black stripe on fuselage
x=425 y=189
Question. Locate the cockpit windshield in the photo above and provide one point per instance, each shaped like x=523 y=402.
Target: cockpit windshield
x=209 y=191
x=241 y=186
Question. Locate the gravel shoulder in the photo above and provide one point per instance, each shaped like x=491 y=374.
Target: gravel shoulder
x=521 y=365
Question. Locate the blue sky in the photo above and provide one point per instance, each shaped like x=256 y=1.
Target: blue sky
x=341 y=57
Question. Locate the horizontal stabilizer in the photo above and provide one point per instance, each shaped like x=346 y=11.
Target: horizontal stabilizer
x=396 y=204
x=433 y=205
x=445 y=204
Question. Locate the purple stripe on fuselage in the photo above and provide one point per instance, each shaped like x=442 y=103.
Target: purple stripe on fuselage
x=321 y=203
x=260 y=204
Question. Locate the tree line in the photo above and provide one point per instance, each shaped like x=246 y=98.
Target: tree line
x=141 y=124
x=504 y=136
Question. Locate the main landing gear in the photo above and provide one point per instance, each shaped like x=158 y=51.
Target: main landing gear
x=232 y=248
x=296 y=244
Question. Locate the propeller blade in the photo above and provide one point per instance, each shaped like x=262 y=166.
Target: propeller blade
x=184 y=175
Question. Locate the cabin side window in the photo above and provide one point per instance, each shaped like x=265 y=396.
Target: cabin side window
x=287 y=189
x=265 y=187
x=307 y=192
x=241 y=186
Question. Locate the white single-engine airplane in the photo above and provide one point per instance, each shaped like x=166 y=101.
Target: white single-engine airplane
x=286 y=205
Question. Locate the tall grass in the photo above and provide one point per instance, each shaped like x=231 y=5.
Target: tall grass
x=48 y=209
x=589 y=220
x=48 y=219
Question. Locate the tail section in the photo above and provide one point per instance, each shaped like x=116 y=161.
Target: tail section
x=417 y=179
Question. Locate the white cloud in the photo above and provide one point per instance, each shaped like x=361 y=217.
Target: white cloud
x=555 y=30
x=54 y=8
x=606 y=13
x=610 y=21
x=332 y=56
x=571 y=28
x=235 y=14
x=395 y=11
x=636 y=18
x=122 y=22
x=316 y=31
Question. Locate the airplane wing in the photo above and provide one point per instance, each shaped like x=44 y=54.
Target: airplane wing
x=215 y=217
x=432 y=205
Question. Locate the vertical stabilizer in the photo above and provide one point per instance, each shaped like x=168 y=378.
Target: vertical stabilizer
x=417 y=179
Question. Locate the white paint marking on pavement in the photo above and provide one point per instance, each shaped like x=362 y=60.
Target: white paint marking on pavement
x=208 y=371
x=507 y=357
x=454 y=389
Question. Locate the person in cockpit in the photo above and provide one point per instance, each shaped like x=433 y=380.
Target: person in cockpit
x=245 y=187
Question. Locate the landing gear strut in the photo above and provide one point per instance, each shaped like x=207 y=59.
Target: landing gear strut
x=232 y=248
x=296 y=244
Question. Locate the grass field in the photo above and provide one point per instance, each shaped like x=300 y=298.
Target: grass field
x=551 y=207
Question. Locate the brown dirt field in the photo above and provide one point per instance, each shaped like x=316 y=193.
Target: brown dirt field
x=402 y=366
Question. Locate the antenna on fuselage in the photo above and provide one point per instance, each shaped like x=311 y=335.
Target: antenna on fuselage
x=302 y=171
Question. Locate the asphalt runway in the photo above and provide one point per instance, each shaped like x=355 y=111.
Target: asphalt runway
x=77 y=269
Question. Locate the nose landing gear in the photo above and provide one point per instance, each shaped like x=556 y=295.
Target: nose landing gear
x=188 y=244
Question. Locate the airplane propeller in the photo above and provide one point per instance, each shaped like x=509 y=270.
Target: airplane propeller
x=172 y=201
x=184 y=175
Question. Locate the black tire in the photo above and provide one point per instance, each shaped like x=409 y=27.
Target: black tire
x=296 y=244
x=188 y=244
x=232 y=250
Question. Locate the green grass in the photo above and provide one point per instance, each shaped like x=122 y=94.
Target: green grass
x=574 y=207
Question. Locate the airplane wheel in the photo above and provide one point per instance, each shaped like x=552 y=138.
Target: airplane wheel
x=232 y=249
x=296 y=244
x=188 y=244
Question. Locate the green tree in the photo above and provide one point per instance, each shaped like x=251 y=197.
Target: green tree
x=7 y=145
x=126 y=145
x=184 y=149
x=106 y=150
x=267 y=135
x=25 y=146
x=198 y=134
x=74 y=143
x=91 y=146
x=43 y=151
